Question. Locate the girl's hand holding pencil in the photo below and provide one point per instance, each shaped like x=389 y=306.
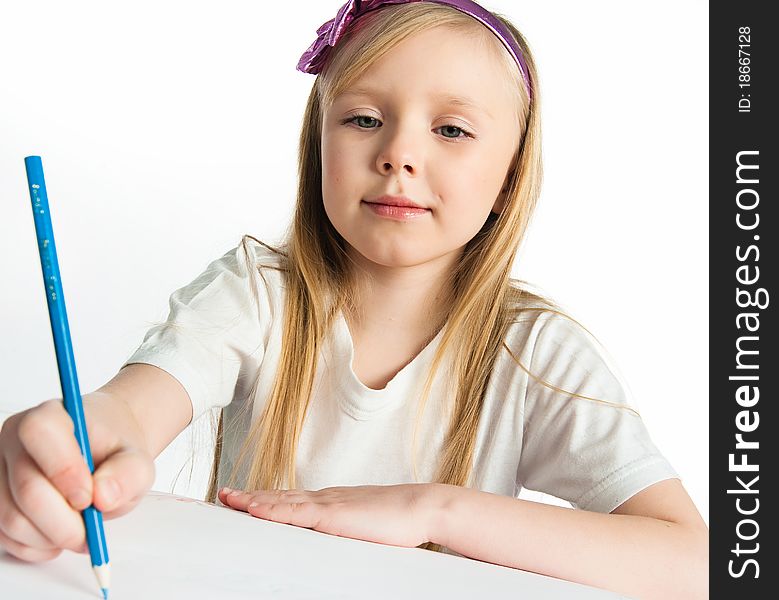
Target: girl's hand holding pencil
x=45 y=483
x=48 y=466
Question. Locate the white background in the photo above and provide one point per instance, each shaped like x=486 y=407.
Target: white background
x=169 y=129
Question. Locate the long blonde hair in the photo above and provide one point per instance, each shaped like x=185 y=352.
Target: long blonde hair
x=319 y=281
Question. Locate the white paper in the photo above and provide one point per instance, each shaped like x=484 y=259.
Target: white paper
x=175 y=547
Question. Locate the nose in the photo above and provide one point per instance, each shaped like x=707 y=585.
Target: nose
x=399 y=153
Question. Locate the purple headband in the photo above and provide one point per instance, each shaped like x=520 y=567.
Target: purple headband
x=329 y=33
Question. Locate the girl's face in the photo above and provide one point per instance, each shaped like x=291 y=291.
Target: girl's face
x=432 y=121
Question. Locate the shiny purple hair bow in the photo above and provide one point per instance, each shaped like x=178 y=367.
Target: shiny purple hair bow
x=313 y=59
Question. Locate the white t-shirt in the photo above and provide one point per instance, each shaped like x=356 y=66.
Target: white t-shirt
x=218 y=340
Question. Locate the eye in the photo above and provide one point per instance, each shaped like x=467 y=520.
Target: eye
x=453 y=132
x=364 y=121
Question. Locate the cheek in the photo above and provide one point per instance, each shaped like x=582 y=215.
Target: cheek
x=337 y=172
x=339 y=187
x=468 y=196
x=470 y=190
x=331 y=166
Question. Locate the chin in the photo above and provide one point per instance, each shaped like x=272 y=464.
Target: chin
x=390 y=256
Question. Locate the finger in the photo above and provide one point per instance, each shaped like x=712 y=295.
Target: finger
x=241 y=500
x=224 y=493
x=122 y=480
x=14 y=524
x=296 y=507
x=47 y=436
x=23 y=552
x=43 y=505
x=238 y=499
x=302 y=514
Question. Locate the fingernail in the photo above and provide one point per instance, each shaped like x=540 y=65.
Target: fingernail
x=109 y=492
x=227 y=490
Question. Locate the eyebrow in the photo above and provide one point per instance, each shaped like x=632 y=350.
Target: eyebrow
x=443 y=97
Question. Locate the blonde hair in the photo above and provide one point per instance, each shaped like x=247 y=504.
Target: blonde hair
x=319 y=281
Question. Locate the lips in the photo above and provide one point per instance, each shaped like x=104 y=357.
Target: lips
x=388 y=200
x=397 y=213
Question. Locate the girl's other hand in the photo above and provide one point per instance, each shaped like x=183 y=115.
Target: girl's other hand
x=45 y=482
x=398 y=515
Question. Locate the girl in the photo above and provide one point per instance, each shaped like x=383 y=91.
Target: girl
x=380 y=376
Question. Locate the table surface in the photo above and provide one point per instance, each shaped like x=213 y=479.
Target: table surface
x=176 y=547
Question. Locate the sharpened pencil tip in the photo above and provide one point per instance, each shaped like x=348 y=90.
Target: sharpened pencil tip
x=103 y=578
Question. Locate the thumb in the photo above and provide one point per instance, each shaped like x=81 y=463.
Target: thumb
x=121 y=481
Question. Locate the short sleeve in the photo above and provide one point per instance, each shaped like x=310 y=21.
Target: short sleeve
x=215 y=333
x=594 y=452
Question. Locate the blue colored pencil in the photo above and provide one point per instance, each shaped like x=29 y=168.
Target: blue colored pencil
x=93 y=518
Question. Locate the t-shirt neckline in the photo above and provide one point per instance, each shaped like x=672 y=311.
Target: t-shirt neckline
x=363 y=402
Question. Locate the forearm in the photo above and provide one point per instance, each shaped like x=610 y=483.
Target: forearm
x=144 y=405
x=116 y=416
x=640 y=557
